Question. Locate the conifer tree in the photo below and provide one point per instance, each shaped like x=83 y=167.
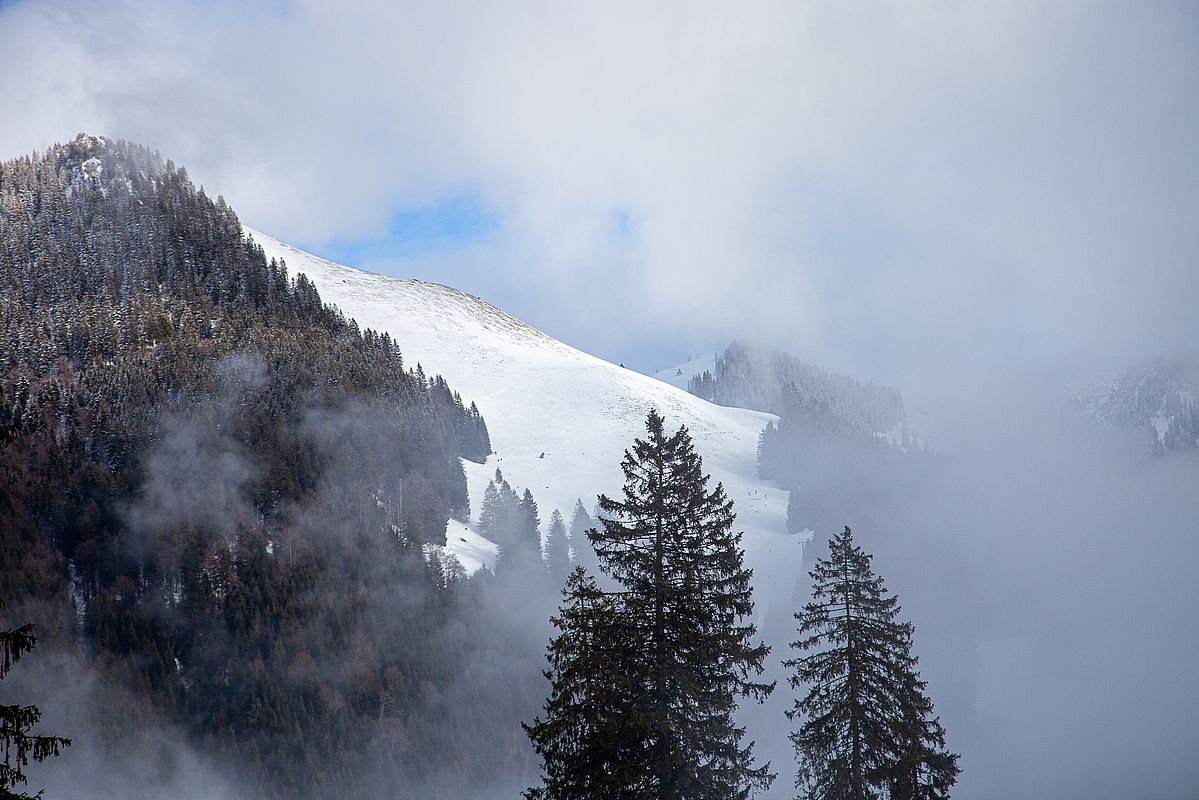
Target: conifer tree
x=522 y=552
x=580 y=521
x=512 y=521
x=868 y=728
x=682 y=611
x=588 y=739
x=922 y=768
x=492 y=511
x=528 y=524
x=557 y=549
x=583 y=552
x=16 y=721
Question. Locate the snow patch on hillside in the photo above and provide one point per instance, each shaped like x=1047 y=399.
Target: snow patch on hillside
x=474 y=550
x=680 y=374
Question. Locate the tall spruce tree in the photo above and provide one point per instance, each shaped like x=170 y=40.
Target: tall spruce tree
x=491 y=514
x=922 y=769
x=868 y=728
x=682 y=609
x=528 y=523
x=16 y=722
x=592 y=733
x=512 y=521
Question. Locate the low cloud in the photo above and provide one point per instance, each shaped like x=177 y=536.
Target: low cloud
x=1048 y=565
x=197 y=474
x=119 y=747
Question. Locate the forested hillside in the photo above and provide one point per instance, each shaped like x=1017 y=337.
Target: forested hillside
x=218 y=490
x=833 y=469
x=842 y=448
x=1159 y=397
x=762 y=378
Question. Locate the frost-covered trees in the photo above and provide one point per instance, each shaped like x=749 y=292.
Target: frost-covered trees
x=687 y=653
x=135 y=312
x=754 y=376
x=868 y=728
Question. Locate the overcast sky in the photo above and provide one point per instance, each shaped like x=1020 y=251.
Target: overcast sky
x=944 y=196
x=889 y=189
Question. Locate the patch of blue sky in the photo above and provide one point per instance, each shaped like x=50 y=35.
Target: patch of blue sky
x=452 y=223
x=622 y=224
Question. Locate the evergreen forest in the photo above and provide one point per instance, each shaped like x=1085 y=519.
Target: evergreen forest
x=217 y=495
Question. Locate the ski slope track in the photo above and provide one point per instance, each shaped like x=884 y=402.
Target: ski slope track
x=559 y=419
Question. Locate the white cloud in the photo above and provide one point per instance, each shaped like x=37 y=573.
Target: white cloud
x=868 y=183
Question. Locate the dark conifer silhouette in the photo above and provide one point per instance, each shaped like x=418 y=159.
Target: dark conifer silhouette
x=687 y=654
x=17 y=740
x=868 y=728
x=592 y=733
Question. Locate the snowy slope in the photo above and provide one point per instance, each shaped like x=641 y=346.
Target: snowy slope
x=539 y=395
x=679 y=374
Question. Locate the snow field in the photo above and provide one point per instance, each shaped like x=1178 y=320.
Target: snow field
x=559 y=419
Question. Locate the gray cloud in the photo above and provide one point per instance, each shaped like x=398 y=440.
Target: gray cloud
x=869 y=183
x=1049 y=567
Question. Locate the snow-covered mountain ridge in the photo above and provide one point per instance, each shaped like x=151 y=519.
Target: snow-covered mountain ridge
x=559 y=419
x=1159 y=396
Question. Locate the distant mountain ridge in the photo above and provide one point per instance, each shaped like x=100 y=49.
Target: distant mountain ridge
x=748 y=375
x=1159 y=396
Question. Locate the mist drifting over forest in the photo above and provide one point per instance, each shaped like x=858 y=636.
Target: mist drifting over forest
x=286 y=529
